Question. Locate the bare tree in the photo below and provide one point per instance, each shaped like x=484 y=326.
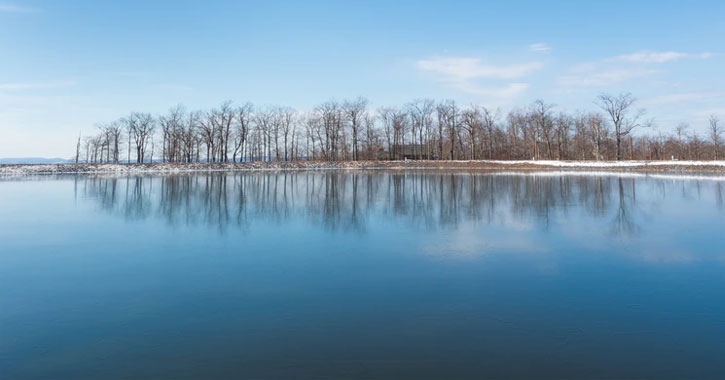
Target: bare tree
x=420 y=129
x=597 y=129
x=543 y=124
x=190 y=136
x=681 y=131
x=287 y=125
x=113 y=131
x=421 y=115
x=223 y=117
x=243 y=124
x=141 y=126
x=563 y=128
x=489 y=127
x=355 y=112
x=448 y=121
x=715 y=132
x=171 y=129
x=78 y=148
x=472 y=124
x=387 y=118
x=371 y=137
x=624 y=120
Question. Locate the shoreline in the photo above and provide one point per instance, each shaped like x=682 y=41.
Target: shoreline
x=524 y=166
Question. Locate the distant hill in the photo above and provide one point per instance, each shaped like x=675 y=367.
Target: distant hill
x=33 y=160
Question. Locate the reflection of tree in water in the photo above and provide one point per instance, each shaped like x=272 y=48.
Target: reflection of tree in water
x=350 y=201
x=595 y=193
x=624 y=224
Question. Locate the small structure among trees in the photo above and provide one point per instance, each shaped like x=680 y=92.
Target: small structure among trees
x=406 y=152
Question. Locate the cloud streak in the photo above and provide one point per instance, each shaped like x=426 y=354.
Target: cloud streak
x=603 y=78
x=539 y=47
x=683 y=97
x=511 y=90
x=35 y=85
x=471 y=68
x=660 y=57
x=465 y=75
x=12 y=8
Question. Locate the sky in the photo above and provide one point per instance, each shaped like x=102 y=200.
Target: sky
x=66 y=66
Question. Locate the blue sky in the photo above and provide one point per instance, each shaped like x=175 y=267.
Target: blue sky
x=66 y=65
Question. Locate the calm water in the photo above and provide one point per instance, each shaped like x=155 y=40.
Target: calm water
x=362 y=274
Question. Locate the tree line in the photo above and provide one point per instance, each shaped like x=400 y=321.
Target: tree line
x=421 y=129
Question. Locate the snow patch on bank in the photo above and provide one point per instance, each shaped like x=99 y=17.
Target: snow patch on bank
x=604 y=164
x=618 y=174
x=494 y=165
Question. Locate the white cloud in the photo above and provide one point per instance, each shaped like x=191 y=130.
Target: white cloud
x=11 y=8
x=541 y=47
x=660 y=57
x=620 y=69
x=602 y=78
x=710 y=111
x=30 y=86
x=511 y=90
x=465 y=74
x=682 y=97
x=460 y=68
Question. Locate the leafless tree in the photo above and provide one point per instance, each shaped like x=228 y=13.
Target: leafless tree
x=681 y=132
x=355 y=112
x=471 y=123
x=387 y=119
x=243 y=124
x=287 y=126
x=543 y=123
x=597 y=130
x=78 y=148
x=172 y=127
x=715 y=134
x=371 y=137
x=420 y=129
x=623 y=118
x=421 y=115
x=448 y=121
x=141 y=126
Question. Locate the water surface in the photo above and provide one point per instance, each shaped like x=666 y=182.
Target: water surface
x=371 y=274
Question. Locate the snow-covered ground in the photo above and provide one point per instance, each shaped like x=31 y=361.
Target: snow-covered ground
x=717 y=177
x=528 y=165
x=608 y=164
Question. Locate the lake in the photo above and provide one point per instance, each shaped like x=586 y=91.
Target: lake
x=362 y=274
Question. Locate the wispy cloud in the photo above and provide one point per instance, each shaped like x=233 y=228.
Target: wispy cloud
x=171 y=87
x=540 y=47
x=35 y=85
x=660 y=57
x=472 y=68
x=613 y=70
x=132 y=74
x=717 y=111
x=683 y=97
x=510 y=90
x=466 y=74
x=603 y=78
x=12 y=8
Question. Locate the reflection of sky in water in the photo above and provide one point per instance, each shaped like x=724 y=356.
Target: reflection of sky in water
x=338 y=273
